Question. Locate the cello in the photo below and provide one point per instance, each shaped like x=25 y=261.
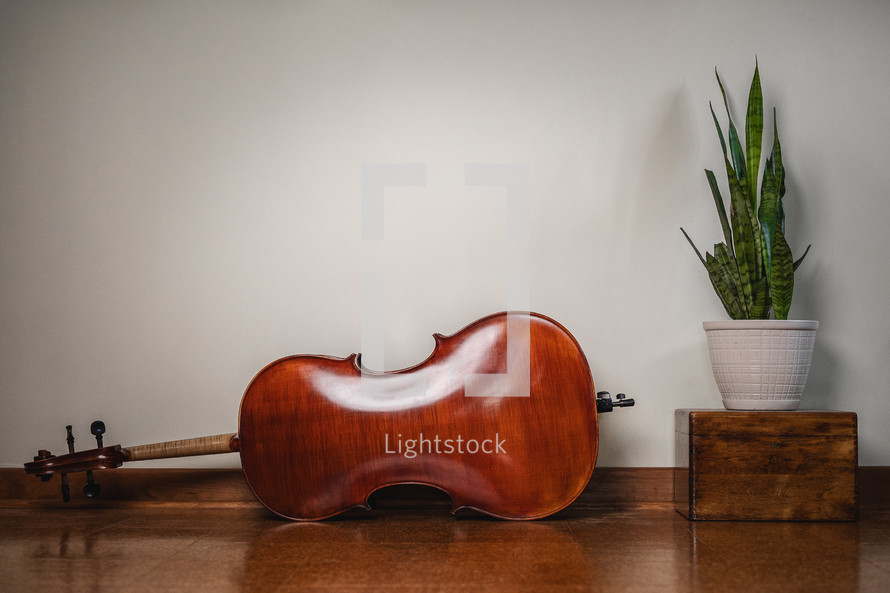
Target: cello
x=502 y=416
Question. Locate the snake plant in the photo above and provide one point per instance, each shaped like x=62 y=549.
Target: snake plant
x=752 y=270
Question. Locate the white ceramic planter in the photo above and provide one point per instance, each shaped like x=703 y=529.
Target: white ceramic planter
x=761 y=364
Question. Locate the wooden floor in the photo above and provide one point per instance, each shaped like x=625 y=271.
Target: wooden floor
x=628 y=548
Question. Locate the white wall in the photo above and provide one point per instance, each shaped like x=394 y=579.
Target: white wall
x=180 y=189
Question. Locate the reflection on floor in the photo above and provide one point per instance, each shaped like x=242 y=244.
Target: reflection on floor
x=645 y=547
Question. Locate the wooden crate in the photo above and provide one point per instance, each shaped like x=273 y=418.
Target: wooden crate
x=790 y=466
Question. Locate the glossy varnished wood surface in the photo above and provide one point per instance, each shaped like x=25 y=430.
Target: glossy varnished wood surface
x=318 y=436
x=131 y=487
x=214 y=488
x=627 y=549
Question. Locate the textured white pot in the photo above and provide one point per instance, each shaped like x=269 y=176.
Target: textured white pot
x=761 y=364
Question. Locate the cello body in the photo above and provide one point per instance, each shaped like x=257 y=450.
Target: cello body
x=501 y=416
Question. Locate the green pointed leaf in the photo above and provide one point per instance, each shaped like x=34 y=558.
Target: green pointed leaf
x=735 y=146
x=768 y=212
x=776 y=156
x=722 y=90
x=719 y=129
x=800 y=261
x=744 y=239
x=754 y=133
x=723 y=274
x=724 y=255
x=721 y=208
x=697 y=252
x=780 y=215
x=779 y=170
x=738 y=159
x=781 y=278
x=724 y=278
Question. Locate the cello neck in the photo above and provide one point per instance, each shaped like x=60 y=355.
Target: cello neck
x=46 y=464
x=220 y=443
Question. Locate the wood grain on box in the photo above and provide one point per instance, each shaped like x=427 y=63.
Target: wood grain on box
x=737 y=465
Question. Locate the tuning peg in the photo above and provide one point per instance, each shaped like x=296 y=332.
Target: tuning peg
x=97 y=428
x=66 y=490
x=91 y=489
x=41 y=455
x=623 y=401
x=604 y=402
